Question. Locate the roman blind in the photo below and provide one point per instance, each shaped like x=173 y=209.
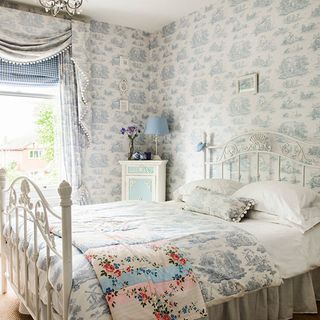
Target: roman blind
x=43 y=73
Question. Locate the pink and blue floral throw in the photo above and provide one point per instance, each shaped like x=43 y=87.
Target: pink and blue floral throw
x=152 y=281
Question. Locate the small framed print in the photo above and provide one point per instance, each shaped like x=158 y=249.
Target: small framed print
x=248 y=83
x=124 y=62
x=124 y=105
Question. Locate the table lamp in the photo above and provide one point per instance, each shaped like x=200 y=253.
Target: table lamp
x=156 y=126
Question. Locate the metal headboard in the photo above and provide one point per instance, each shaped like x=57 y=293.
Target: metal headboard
x=254 y=144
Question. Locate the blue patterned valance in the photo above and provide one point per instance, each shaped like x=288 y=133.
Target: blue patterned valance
x=44 y=73
x=28 y=37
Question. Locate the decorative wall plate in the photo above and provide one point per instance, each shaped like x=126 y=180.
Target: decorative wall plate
x=123 y=87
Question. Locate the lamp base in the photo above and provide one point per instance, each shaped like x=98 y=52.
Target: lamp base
x=156 y=157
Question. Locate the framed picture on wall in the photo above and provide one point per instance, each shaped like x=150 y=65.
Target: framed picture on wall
x=248 y=83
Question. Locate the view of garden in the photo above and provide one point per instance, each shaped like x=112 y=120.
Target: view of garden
x=30 y=123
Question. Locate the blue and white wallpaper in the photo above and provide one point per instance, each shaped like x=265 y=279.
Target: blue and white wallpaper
x=102 y=172
x=194 y=64
x=188 y=71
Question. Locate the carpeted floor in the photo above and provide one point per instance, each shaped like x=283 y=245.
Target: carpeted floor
x=9 y=306
x=9 y=310
x=308 y=317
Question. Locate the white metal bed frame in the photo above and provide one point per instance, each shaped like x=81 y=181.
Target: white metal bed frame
x=19 y=205
x=255 y=144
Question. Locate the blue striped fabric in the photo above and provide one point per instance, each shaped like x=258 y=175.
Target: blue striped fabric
x=44 y=73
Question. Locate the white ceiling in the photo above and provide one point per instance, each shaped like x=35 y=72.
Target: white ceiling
x=148 y=15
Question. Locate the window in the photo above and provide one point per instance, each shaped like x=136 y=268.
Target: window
x=29 y=125
x=35 y=154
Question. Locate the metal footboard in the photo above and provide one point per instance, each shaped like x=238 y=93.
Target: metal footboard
x=20 y=212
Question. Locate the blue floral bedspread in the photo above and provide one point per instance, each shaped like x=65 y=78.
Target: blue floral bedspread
x=227 y=261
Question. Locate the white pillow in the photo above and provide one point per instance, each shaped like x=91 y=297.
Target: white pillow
x=292 y=202
x=223 y=186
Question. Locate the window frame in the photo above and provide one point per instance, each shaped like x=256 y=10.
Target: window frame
x=24 y=94
x=35 y=154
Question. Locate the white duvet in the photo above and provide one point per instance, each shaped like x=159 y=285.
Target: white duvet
x=293 y=252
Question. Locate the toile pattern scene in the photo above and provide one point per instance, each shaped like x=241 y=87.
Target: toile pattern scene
x=188 y=71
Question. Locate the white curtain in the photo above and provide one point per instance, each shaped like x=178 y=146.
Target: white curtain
x=71 y=131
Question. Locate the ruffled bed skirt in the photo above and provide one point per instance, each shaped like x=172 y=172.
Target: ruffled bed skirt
x=295 y=295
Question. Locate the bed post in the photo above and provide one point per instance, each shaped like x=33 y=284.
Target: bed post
x=2 y=208
x=65 y=196
x=205 y=156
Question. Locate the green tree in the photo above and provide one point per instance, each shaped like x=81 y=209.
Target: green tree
x=46 y=131
x=12 y=171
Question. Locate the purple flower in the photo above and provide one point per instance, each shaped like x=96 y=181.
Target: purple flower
x=131 y=131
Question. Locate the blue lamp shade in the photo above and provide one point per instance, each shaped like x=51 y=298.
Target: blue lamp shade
x=157 y=126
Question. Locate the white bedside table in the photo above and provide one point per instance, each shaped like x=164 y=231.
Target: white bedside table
x=144 y=180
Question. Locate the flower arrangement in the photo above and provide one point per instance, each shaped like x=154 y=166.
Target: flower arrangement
x=132 y=132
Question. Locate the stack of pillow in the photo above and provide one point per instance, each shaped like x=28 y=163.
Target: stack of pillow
x=230 y=200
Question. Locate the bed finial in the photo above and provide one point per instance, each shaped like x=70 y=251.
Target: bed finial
x=65 y=191
x=205 y=138
x=3 y=175
x=2 y=208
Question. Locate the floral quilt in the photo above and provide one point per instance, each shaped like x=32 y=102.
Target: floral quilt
x=226 y=261
x=152 y=281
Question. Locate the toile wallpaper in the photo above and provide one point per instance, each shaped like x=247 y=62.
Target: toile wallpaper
x=102 y=172
x=187 y=72
x=194 y=64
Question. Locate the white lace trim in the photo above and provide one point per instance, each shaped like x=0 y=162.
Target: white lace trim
x=37 y=61
x=83 y=85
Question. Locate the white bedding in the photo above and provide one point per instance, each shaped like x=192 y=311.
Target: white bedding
x=293 y=252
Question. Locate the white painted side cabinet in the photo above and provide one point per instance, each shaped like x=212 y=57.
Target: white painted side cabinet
x=144 y=180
